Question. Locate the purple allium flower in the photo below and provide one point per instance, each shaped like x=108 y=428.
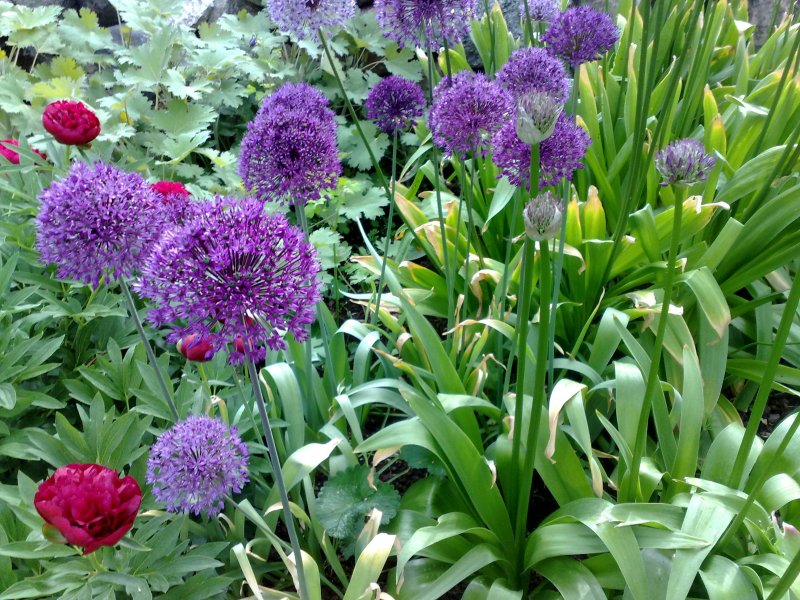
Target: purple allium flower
x=540 y=10
x=684 y=162
x=233 y=274
x=542 y=217
x=303 y=18
x=289 y=151
x=426 y=23
x=196 y=463
x=560 y=154
x=98 y=220
x=467 y=111
x=395 y=103
x=533 y=69
x=581 y=34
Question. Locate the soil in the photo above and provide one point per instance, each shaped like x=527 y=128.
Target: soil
x=779 y=405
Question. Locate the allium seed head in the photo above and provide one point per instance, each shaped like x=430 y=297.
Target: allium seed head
x=195 y=464
x=684 y=162
x=560 y=154
x=542 y=216
x=537 y=113
x=533 y=69
x=467 y=111
x=304 y=18
x=426 y=23
x=395 y=103
x=233 y=272
x=581 y=34
x=96 y=221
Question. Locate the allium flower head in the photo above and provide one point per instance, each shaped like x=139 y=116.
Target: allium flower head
x=467 y=111
x=533 y=69
x=543 y=11
x=232 y=271
x=537 y=114
x=581 y=34
x=304 y=18
x=560 y=154
x=195 y=464
x=175 y=200
x=289 y=151
x=426 y=23
x=395 y=103
x=97 y=221
x=542 y=216
x=684 y=162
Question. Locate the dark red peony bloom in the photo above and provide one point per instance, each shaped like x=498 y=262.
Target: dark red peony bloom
x=90 y=505
x=170 y=188
x=196 y=348
x=11 y=155
x=70 y=122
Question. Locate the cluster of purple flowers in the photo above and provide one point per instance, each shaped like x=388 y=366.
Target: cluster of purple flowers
x=395 y=103
x=542 y=11
x=426 y=23
x=195 y=464
x=581 y=34
x=531 y=69
x=304 y=18
x=684 y=162
x=289 y=152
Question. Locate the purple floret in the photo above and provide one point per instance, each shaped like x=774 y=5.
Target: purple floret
x=395 y=103
x=533 y=69
x=581 y=34
x=426 y=23
x=96 y=221
x=560 y=154
x=304 y=18
x=467 y=111
x=289 y=151
x=684 y=162
x=233 y=274
x=196 y=463
x=542 y=11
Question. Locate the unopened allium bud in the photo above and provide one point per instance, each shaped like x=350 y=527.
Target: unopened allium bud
x=537 y=114
x=542 y=217
x=684 y=162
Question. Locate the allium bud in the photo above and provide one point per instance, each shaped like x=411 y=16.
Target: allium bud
x=537 y=114
x=542 y=217
x=684 y=162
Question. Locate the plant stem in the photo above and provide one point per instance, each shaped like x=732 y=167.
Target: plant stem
x=388 y=230
x=787 y=579
x=126 y=292
x=629 y=483
x=528 y=26
x=278 y=475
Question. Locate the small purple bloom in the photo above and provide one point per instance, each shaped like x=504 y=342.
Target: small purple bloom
x=684 y=162
x=533 y=69
x=233 y=274
x=395 y=103
x=560 y=154
x=304 y=18
x=195 y=463
x=289 y=150
x=581 y=34
x=467 y=111
x=96 y=221
x=426 y=23
x=543 y=11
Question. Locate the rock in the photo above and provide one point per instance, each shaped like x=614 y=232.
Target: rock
x=197 y=11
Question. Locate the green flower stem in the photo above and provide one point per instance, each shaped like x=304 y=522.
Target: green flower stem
x=528 y=26
x=126 y=292
x=787 y=579
x=278 y=475
x=447 y=267
x=765 y=387
x=95 y=562
x=491 y=67
x=516 y=209
x=466 y=193
x=388 y=231
x=629 y=483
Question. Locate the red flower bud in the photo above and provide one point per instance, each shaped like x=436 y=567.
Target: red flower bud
x=11 y=155
x=170 y=188
x=196 y=348
x=90 y=505
x=70 y=122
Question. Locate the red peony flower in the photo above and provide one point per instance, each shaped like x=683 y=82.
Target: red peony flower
x=170 y=188
x=196 y=348
x=11 y=155
x=70 y=122
x=90 y=505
